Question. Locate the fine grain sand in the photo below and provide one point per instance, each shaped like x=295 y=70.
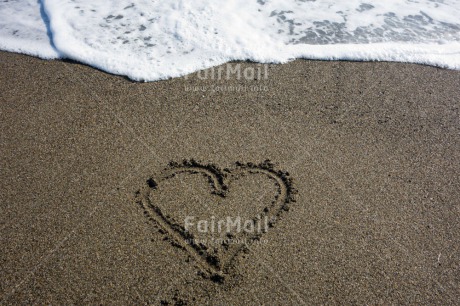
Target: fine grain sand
x=369 y=151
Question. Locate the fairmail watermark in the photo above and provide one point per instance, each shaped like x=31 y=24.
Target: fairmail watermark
x=226 y=88
x=224 y=241
x=228 y=225
x=231 y=226
x=234 y=71
x=249 y=78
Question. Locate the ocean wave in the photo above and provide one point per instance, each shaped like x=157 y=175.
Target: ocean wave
x=152 y=40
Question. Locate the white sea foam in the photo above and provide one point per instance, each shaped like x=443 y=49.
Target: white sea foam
x=23 y=29
x=151 y=39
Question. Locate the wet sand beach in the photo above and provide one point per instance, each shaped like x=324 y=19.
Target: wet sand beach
x=356 y=163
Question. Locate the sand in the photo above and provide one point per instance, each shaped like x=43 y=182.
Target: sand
x=91 y=163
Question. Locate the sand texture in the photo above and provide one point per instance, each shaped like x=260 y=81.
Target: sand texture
x=355 y=165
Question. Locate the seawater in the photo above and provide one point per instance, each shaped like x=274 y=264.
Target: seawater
x=153 y=40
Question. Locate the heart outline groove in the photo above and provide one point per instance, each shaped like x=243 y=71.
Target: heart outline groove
x=213 y=266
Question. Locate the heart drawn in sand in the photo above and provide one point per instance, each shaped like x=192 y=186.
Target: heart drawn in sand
x=216 y=214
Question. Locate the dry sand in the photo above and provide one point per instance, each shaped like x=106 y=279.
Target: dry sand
x=372 y=149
